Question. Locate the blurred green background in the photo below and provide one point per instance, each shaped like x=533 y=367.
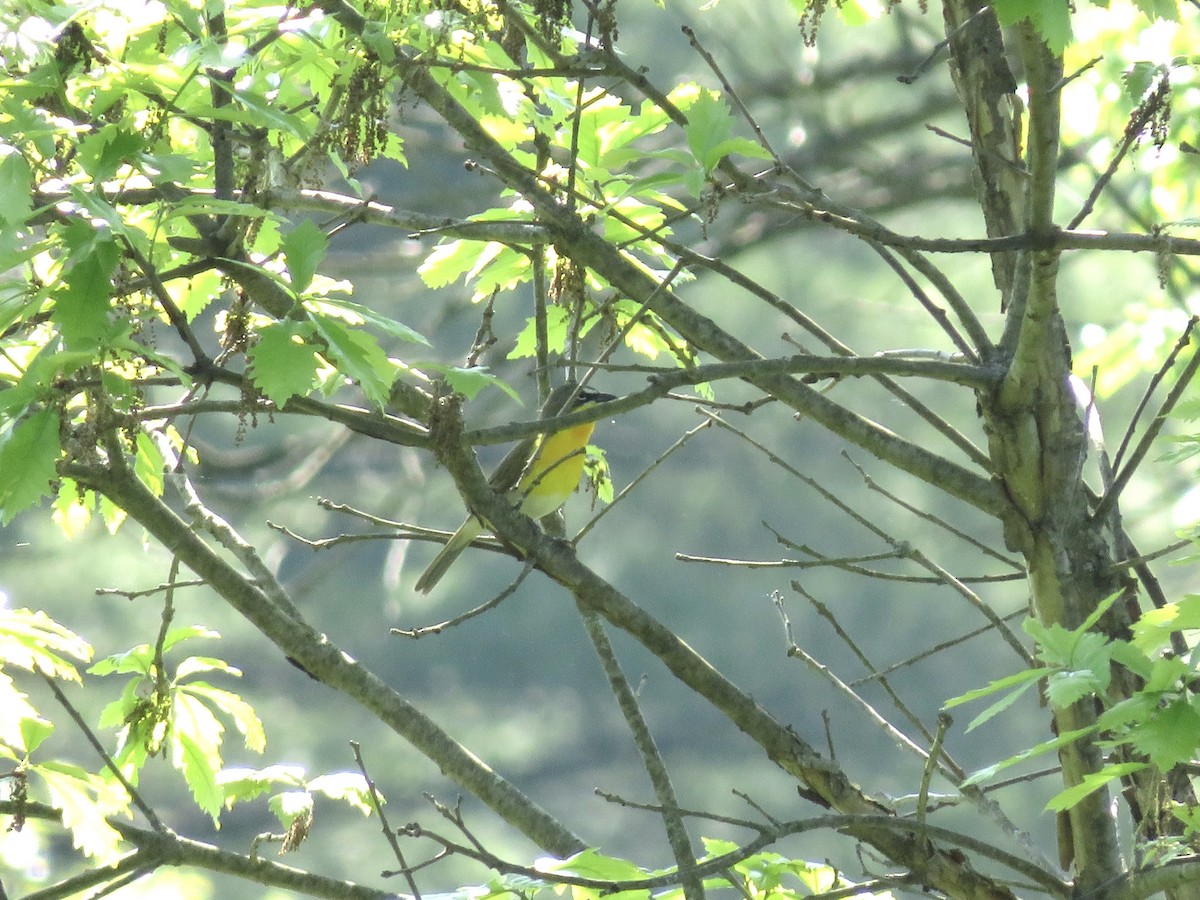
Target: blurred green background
x=520 y=686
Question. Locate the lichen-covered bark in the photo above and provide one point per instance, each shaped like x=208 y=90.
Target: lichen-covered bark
x=988 y=92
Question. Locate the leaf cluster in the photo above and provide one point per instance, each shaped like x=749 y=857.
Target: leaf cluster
x=1159 y=725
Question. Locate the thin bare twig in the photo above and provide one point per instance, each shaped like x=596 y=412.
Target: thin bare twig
x=389 y=835
x=977 y=602
x=937 y=754
x=148 y=592
x=935 y=312
x=660 y=779
x=1133 y=132
x=472 y=613
x=1121 y=479
x=903 y=741
x=927 y=776
x=930 y=517
x=748 y=824
x=935 y=649
x=620 y=336
x=850 y=565
x=1155 y=380
x=339 y=539
x=162 y=684
x=825 y=613
x=941 y=45
x=899 y=547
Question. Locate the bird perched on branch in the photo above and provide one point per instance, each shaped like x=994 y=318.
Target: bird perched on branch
x=537 y=475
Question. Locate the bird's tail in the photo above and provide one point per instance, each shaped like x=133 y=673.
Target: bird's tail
x=459 y=541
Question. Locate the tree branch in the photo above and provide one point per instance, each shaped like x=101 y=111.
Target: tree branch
x=827 y=783
x=324 y=661
x=168 y=848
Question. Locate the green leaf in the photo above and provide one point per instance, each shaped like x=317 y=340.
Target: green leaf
x=194 y=294
x=1071 y=685
x=169 y=168
x=257 y=113
x=765 y=873
x=1002 y=704
x=637 y=219
x=148 y=463
x=1091 y=783
x=593 y=864
x=206 y=204
x=1133 y=659
x=709 y=123
x=116 y=713
x=103 y=152
x=1140 y=77
x=558 y=319
x=34 y=730
x=243 y=784
x=357 y=314
x=597 y=473
x=47 y=366
x=1001 y=684
x=1159 y=9
x=31 y=640
x=28 y=463
x=196 y=738
x=140 y=659
x=714 y=847
x=85 y=801
x=1051 y=19
x=615 y=130
x=1098 y=613
x=1056 y=645
x=855 y=12
x=1087 y=671
x=181 y=633
x=81 y=307
x=304 y=247
x=1170 y=736
x=291 y=804
x=1152 y=632
x=21 y=728
x=1061 y=740
x=137 y=660
x=359 y=357
x=470 y=381
x=602 y=120
x=1167 y=673
x=16 y=188
x=709 y=133
x=349 y=787
x=200 y=665
x=244 y=718
x=196 y=764
x=282 y=365
x=448 y=262
x=503 y=272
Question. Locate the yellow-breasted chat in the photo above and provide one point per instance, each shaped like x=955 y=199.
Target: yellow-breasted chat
x=538 y=474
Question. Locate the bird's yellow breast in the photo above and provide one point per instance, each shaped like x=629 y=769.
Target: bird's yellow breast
x=554 y=474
